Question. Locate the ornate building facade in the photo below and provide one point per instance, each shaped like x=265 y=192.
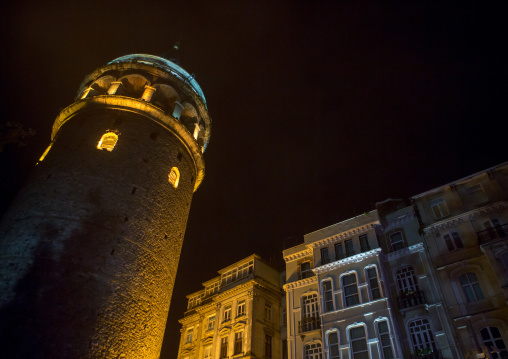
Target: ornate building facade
x=90 y=247
x=237 y=314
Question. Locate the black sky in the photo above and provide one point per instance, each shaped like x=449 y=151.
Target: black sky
x=319 y=109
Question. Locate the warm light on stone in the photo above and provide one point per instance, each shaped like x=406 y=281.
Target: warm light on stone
x=108 y=141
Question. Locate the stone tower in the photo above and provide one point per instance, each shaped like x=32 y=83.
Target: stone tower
x=90 y=247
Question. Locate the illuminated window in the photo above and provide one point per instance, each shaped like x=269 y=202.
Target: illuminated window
x=240 y=309
x=238 y=343
x=373 y=280
x=350 y=290
x=211 y=323
x=174 y=177
x=207 y=352
x=492 y=339
x=439 y=208
x=108 y=141
x=328 y=295
x=358 y=343
x=397 y=241
x=227 y=313
x=224 y=347
x=471 y=287
x=313 y=351
x=384 y=339
x=333 y=345
x=453 y=241
x=421 y=336
x=188 y=336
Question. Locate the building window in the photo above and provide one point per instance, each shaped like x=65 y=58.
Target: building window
x=174 y=177
x=284 y=317
x=240 y=309
x=238 y=343
x=397 y=241
x=471 y=287
x=268 y=311
x=494 y=342
x=305 y=271
x=328 y=295
x=228 y=277
x=339 y=251
x=211 y=289
x=350 y=251
x=310 y=306
x=211 y=323
x=195 y=301
x=268 y=346
x=358 y=343
x=494 y=228
x=224 y=347
x=324 y=256
x=108 y=141
x=372 y=279
x=476 y=194
x=421 y=336
x=227 y=313
x=245 y=270
x=188 y=336
x=207 y=352
x=385 y=343
x=333 y=345
x=453 y=241
x=364 y=243
x=439 y=208
x=406 y=280
x=313 y=351
x=350 y=290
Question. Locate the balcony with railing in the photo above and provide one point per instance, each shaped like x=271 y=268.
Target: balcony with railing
x=493 y=234
x=411 y=299
x=309 y=324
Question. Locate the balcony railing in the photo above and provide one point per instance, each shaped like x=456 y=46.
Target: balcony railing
x=411 y=299
x=492 y=234
x=309 y=324
x=436 y=354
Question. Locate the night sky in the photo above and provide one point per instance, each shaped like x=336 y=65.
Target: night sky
x=318 y=110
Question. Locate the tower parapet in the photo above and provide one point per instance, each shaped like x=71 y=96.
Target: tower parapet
x=90 y=247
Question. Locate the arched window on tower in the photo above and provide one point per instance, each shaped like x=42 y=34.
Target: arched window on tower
x=174 y=177
x=108 y=141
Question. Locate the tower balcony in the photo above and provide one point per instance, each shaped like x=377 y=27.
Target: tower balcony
x=411 y=299
x=309 y=324
x=493 y=234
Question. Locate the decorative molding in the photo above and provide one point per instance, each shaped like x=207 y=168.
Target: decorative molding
x=299 y=283
x=401 y=220
x=405 y=251
x=344 y=235
x=353 y=259
x=469 y=216
x=302 y=254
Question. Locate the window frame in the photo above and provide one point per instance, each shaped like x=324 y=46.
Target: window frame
x=223 y=353
x=189 y=333
x=364 y=243
x=495 y=340
x=207 y=350
x=439 y=204
x=453 y=241
x=404 y=281
x=377 y=281
x=339 y=254
x=325 y=257
x=332 y=345
x=424 y=340
x=268 y=345
x=326 y=300
x=394 y=245
x=381 y=346
x=352 y=353
x=471 y=287
x=343 y=287
x=238 y=346
x=226 y=315
x=240 y=308
x=307 y=272
x=317 y=351
x=268 y=311
x=210 y=322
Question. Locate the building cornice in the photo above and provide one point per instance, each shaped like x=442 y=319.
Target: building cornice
x=342 y=262
x=344 y=235
x=302 y=254
x=405 y=251
x=408 y=217
x=470 y=216
x=299 y=283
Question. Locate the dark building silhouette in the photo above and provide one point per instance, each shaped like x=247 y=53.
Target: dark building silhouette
x=90 y=247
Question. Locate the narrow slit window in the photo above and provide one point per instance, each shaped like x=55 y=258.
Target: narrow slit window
x=108 y=141
x=174 y=177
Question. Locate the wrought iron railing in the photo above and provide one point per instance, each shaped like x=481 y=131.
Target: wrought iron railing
x=436 y=354
x=309 y=324
x=411 y=299
x=492 y=234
